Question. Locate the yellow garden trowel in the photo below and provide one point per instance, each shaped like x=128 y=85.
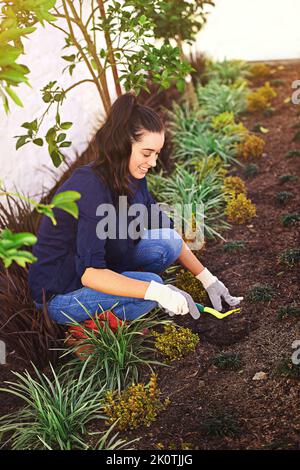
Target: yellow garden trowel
x=214 y=312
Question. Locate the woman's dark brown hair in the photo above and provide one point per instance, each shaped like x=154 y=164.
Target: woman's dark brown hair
x=125 y=124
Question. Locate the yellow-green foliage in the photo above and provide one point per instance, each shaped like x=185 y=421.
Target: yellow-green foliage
x=175 y=342
x=251 y=147
x=224 y=123
x=260 y=70
x=261 y=98
x=138 y=405
x=233 y=185
x=239 y=209
x=211 y=163
x=187 y=282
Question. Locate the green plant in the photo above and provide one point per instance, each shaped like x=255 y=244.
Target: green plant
x=225 y=124
x=233 y=185
x=227 y=71
x=234 y=245
x=136 y=406
x=283 y=196
x=269 y=112
x=227 y=360
x=189 y=190
x=57 y=411
x=239 y=209
x=260 y=70
x=290 y=219
x=175 y=342
x=115 y=357
x=260 y=99
x=287 y=178
x=288 y=311
x=277 y=82
x=250 y=170
x=290 y=256
x=216 y=98
x=288 y=369
x=292 y=153
x=260 y=293
x=220 y=423
x=296 y=137
x=188 y=283
x=251 y=147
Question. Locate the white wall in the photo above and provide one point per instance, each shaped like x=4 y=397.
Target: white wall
x=246 y=29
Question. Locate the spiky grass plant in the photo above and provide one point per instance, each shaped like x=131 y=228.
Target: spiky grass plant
x=216 y=98
x=57 y=411
x=288 y=311
x=184 y=187
x=251 y=146
x=292 y=154
x=136 y=406
x=116 y=357
x=227 y=71
x=290 y=219
x=239 y=209
x=291 y=256
x=260 y=293
x=227 y=360
x=282 y=197
x=211 y=163
x=234 y=245
x=288 y=369
x=250 y=170
x=175 y=341
x=287 y=178
x=220 y=423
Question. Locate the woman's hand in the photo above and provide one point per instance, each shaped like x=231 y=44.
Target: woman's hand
x=216 y=290
x=169 y=299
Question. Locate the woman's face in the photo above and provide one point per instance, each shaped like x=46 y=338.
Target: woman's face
x=145 y=153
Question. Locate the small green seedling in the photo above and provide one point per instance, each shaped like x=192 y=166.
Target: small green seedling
x=290 y=219
x=277 y=82
x=287 y=178
x=288 y=311
x=260 y=293
x=288 y=369
x=292 y=153
x=234 y=245
x=269 y=112
x=291 y=256
x=220 y=423
x=296 y=137
x=250 y=170
x=227 y=360
x=282 y=197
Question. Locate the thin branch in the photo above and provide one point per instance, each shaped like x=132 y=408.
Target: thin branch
x=78 y=83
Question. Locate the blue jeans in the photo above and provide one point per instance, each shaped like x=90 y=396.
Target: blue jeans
x=157 y=250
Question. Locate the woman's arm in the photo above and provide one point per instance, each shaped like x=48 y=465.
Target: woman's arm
x=110 y=282
x=189 y=261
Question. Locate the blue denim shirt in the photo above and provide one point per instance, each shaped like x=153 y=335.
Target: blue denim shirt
x=65 y=250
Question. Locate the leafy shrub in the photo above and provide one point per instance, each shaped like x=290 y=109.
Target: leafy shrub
x=260 y=99
x=136 y=406
x=175 y=342
x=227 y=360
x=234 y=185
x=250 y=170
x=251 y=147
x=216 y=98
x=288 y=311
x=225 y=124
x=260 y=293
x=239 y=209
x=290 y=256
x=290 y=219
x=227 y=71
x=260 y=70
x=187 y=282
x=283 y=196
x=234 y=245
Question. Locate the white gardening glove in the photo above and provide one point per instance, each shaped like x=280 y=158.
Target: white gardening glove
x=194 y=312
x=167 y=298
x=216 y=290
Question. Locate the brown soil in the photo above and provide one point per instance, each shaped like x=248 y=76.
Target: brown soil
x=267 y=412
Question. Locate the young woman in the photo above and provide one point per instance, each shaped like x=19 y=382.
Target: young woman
x=97 y=261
